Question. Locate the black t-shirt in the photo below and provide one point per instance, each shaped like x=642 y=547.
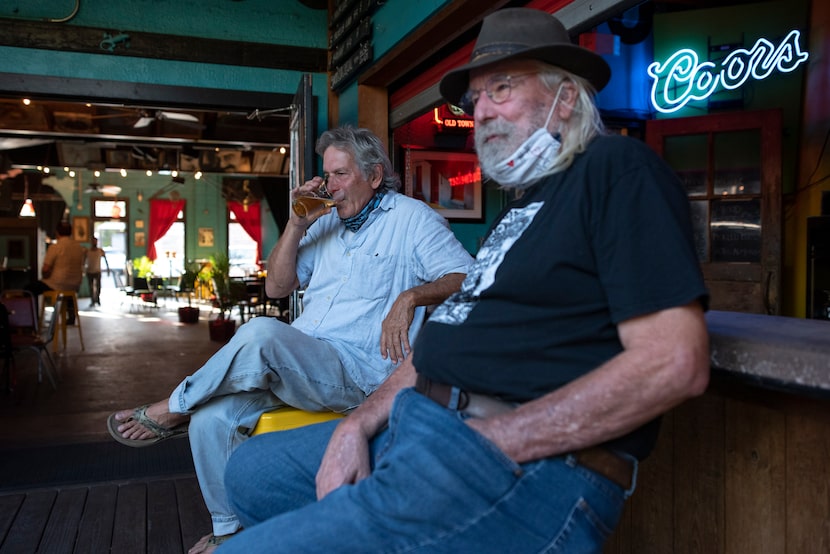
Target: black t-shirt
x=581 y=251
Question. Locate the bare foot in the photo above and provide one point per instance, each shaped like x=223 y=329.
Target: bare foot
x=158 y=412
x=207 y=544
x=199 y=547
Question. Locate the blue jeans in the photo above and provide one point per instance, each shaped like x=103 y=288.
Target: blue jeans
x=267 y=364
x=436 y=486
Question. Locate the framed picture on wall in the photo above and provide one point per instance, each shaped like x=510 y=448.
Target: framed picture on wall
x=140 y=239
x=450 y=182
x=80 y=228
x=205 y=236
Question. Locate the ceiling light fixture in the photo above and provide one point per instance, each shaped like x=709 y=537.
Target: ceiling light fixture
x=28 y=209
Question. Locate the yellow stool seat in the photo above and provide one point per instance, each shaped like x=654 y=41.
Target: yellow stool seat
x=49 y=298
x=287 y=417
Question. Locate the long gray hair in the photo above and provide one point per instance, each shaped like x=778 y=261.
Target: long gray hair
x=585 y=122
x=366 y=150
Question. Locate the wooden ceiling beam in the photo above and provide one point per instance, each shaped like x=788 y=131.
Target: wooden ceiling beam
x=90 y=40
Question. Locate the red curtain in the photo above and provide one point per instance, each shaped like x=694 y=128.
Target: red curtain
x=163 y=214
x=250 y=219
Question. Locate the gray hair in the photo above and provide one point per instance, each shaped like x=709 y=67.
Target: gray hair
x=366 y=150
x=585 y=122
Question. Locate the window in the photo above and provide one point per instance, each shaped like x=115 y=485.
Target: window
x=243 y=251
x=109 y=226
x=170 y=254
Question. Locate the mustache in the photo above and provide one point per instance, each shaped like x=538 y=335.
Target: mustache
x=492 y=127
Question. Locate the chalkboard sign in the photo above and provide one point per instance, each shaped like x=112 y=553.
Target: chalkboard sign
x=350 y=41
x=736 y=231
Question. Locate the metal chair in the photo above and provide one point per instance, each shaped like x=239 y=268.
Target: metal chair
x=24 y=334
x=6 y=349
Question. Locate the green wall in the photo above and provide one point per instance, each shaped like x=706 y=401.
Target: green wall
x=204 y=206
x=744 y=24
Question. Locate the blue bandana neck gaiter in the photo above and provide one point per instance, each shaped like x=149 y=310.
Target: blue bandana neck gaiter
x=356 y=221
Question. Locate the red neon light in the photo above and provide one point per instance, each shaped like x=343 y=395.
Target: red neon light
x=452 y=122
x=466 y=178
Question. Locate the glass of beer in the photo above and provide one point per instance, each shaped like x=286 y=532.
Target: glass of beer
x=306 y=206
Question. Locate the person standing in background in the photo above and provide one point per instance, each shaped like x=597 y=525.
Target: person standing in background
x=93 y=270
x=63 y=268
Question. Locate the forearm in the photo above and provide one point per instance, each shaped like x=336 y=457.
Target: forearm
x=281 y=278
x=394 y=337
x=373 y=414
x=435 y=292
x=647 y=379
x=347 y=457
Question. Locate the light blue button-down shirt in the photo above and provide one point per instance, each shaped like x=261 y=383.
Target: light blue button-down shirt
x=352 y=279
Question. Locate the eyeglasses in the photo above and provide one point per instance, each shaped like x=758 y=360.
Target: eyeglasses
x=496 y=88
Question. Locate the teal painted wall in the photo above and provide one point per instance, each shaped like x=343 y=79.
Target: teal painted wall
x=204 y=207
x=395 y=19
x=286 y=22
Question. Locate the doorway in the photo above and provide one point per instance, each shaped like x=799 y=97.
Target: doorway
x=730 y=165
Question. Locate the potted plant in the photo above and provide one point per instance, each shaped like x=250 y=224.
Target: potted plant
x=227 y=294
x=187 y=282
x=143 y=272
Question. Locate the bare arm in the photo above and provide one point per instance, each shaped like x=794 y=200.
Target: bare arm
x=346 y=460
x=281 y=278
x=665 y=361
x=394 y=338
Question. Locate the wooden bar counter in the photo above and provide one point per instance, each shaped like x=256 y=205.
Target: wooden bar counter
x=745 y=468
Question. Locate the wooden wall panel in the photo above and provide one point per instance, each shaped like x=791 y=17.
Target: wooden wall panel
x=808 y=480
x=646 y=525
x=699 y=477
x=740 y=470
x=754 y=491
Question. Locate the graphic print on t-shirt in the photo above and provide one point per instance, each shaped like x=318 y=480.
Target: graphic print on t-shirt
x=481 y=276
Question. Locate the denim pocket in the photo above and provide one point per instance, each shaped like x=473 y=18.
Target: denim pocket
x=442 y=438
x=583 y=531
x=490 y=447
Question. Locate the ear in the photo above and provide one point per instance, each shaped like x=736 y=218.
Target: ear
x=377 y=176
x=567 y=100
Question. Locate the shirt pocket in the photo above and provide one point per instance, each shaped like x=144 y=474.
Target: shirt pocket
x=373 y=275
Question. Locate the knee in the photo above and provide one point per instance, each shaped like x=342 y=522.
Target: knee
x=257 y=326
x=208 y=421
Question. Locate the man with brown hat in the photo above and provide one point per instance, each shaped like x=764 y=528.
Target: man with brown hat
x=518 y=422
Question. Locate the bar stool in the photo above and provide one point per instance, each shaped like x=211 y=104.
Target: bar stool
x=282 y=419
x=49 y=298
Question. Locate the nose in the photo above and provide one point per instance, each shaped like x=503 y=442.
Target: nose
x=484 y=109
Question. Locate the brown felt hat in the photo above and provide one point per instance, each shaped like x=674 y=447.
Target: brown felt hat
x=525 y=33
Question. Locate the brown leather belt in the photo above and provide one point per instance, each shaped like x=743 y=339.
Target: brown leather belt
x=596 y=458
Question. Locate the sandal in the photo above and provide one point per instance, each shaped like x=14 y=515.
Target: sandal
x=209 y=543
x=216 y=541
x=140 y=415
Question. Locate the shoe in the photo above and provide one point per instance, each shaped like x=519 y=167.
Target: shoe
x=140 y=415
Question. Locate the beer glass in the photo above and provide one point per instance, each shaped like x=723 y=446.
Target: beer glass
x=307 y=206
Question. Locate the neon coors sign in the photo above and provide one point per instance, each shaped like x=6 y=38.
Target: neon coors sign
x=685 y=79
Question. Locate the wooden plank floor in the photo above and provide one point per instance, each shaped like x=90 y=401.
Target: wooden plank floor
x=164 y=516
x=130 y=358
